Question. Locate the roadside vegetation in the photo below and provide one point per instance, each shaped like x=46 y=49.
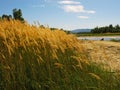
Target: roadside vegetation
x=36 y=58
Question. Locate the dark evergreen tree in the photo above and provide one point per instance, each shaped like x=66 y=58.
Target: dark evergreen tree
x=111 y=29
x=17 y=15
x=117 y=28
x=95 y=30
x=106 y=29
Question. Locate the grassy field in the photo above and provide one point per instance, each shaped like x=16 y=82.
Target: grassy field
x=106 y=53
x=34 y=58
x=101 y=34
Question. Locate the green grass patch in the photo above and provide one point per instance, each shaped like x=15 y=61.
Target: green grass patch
x=94 y=34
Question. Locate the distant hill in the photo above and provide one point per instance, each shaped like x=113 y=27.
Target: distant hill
x=80 y=30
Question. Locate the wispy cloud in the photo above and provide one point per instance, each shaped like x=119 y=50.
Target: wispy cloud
x=72 y=8
x=90 y=11
x=83 y=17
x=76 y=9
x=68 y=2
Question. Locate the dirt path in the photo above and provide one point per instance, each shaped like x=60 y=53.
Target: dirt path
x=104 y=52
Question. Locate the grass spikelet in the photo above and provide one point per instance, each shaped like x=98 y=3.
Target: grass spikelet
x=58 y=65
x=3 y=56
x=95 y=76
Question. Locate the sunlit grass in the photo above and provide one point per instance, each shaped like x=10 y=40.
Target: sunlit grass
x=35 y=58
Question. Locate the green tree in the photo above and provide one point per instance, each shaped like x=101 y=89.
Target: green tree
x=17 y=15
x=95 y=30
x=106 y=29
x=111 y=28
x=0 y=18
x=117 y=28
x=7 y=17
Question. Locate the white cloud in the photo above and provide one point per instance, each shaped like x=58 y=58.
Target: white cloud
x=83 y=17
x=68 y=2
x=90 y=11
x=73 y=8
x=76 y=9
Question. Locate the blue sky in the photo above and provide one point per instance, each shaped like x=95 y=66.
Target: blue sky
x=66 y=14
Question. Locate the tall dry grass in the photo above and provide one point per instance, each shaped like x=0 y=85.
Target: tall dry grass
x=35 y=58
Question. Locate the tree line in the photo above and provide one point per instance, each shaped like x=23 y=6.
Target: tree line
x=107 y=29
x=17 y=15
